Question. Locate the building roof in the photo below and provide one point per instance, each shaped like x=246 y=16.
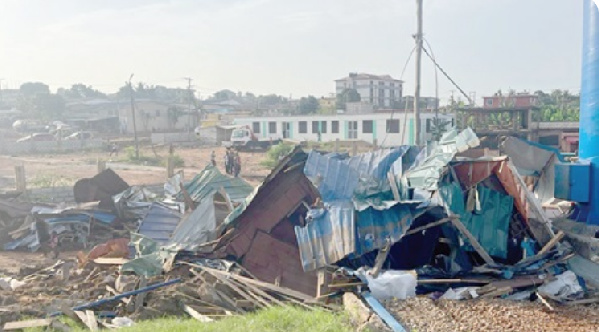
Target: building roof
x=365 y=76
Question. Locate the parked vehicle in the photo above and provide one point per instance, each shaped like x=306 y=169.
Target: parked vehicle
x=79 y=135
x=37 y=137
x=243 y=138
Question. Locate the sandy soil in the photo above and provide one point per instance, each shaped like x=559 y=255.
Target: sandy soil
x=66 y=169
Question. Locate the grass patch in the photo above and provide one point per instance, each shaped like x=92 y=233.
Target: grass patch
x=48 y=181
x=267 y=320
x=275 y=154
x=150 y=160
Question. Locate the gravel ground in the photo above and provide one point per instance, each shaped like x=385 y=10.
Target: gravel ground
x=423 y=314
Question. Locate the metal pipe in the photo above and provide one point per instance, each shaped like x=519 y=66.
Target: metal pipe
x=588 y=107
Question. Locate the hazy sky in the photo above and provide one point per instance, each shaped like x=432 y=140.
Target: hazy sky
x=289 y=47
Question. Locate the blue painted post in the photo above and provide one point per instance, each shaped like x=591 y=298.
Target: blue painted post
x=588 y=114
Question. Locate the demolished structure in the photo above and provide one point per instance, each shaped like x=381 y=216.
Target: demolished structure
x=322 y=224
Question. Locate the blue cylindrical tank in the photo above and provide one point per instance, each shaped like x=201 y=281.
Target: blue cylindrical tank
x=588 y=114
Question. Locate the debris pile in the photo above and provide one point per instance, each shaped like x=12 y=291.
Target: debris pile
x=397 y=226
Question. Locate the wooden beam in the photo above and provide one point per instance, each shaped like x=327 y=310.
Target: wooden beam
x=552 y=242
x=380 y=259
x=478 y=248
x=424 y=227
x=25 y=324
x=196 y=315
x=394 y=186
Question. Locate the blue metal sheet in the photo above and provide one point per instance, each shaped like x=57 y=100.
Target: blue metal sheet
x=382 y=313
x=355 y=177
x=328 y=237
x=572 y=180
x=338 y=231
x=159 y=223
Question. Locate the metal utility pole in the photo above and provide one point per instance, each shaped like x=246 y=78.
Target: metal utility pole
x=419 y=47
x=137 y=147
x=190 y=96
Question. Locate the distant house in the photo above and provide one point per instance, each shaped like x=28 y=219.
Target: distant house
x=156 y=116
x=519 y=100
x=377 y=90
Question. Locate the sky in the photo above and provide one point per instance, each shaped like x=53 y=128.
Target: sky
x=290 y=47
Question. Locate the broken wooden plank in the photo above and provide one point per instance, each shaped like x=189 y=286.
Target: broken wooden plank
x=453 y=281
x=424 y=227
x=92 y=323
x=474 y=243
x=139 y=299
x=497 y=292
x=552 y=242
x=382 y=313
x=196 y=315
x=71 y=314
x=25 y=324
x=380 y=259
x=110 y=261
x=227 y=199
x=544 y=302
x=265 y=285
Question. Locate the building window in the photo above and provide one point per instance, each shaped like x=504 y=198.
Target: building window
x=352 y=129
x=272 y=127
x=315 y=127
x=489 y=102
x=302 y=127
x=323 y=127
x=335 y=127
x=428 y=125
x=367 y=126
x=157 y=113
x=256 y=127
x=392 y=126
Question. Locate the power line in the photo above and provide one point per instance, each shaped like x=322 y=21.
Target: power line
x=448 y=76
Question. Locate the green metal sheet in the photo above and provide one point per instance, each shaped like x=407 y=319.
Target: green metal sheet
x=489 y=220
x=210 y=180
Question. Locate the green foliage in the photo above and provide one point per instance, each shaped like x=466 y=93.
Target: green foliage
x=308 y=105
x=275 y=154
x=266 y=320
x=439 y=126
x=347 y=96
x=558 y=105
x=177 y=161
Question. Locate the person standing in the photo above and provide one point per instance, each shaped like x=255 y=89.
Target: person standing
x=213 y=157
x=227 y=162
x=237 y=165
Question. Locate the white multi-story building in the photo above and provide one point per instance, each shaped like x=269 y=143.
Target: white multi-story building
x=380 y=91
x=387 y=129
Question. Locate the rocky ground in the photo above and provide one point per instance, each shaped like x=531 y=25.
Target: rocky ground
x=423 y=314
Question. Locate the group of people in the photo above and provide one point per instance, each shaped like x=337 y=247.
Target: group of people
x=233 y=162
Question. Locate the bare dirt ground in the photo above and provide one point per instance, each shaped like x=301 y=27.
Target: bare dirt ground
x=66 y=169
x=423 y=314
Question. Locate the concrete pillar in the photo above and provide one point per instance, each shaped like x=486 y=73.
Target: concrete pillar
x=375 y=144
x=20 y=178
x=336 y=147
x=101 y=165
x=354 y=148
x=170 y=167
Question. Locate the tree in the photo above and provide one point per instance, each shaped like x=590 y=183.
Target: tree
x=308 y=105
x=346 y=96
x=223 y=95
x=31 y=89
x=80 y=91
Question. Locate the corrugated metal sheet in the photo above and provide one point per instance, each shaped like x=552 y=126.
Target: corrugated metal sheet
x=488 y=224
x=329 y=237
x=426 y=173
x=339 y=231
x=356 y=177
x=196 y=228
x=159 y=223
x=211 y=180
